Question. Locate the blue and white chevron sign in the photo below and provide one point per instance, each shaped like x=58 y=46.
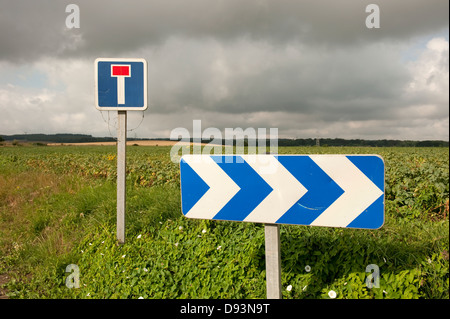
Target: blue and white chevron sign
x=315 y=190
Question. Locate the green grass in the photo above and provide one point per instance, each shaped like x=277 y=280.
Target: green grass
x=57 y=207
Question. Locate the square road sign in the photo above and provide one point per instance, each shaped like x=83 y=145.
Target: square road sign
x=120 y=84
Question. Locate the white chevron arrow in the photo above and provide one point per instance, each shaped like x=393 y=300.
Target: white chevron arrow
x=221 y=187
x=287 y=190
x=359 y=191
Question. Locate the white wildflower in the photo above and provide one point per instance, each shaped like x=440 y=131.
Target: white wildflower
x=332 y=294
x=219 y=247
x=139 y=236
x=289 y=288
x=307 y=268
x=123 y=256
x=180 y=228
x=204 y=231
x=176 y=244
x=145 y=269
x=141 y=297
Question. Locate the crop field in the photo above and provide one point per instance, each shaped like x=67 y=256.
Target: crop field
x=58 y=209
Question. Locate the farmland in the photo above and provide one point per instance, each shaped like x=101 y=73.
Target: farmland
x=57 y=208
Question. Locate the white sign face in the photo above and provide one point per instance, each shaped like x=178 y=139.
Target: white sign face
x=120 y=84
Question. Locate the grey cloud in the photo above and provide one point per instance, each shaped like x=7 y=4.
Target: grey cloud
x=310 y=67
x=246 y=77
x=31 y=29
x=129 y=24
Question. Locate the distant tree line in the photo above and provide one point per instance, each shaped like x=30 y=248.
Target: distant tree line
x=56 y=138
x=350 y=142
x=84 y=138
x=359 y=142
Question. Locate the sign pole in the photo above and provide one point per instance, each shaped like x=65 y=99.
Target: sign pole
x=121 y=85
x=121 y=174
x=273 y=261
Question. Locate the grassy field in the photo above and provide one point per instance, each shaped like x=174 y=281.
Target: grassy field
x=58 y=206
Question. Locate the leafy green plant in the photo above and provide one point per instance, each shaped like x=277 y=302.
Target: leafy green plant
x=70 y=219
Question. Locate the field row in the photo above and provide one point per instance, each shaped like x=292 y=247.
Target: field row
x=416 y=179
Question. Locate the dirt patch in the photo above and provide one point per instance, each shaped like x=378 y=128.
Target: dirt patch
x=4 y=279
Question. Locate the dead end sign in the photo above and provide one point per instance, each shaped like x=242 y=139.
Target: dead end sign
x=121 y=84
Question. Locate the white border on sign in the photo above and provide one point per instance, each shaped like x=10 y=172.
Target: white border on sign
x=120 y=108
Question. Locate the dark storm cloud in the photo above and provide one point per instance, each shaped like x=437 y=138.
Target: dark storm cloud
x=309 y=67
x=31 y=29
x=253 y=77
x=120 y=25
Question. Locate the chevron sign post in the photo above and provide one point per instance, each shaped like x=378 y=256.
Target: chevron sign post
x=315 y=190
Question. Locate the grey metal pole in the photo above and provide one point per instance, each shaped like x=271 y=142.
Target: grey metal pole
x=121 y=174
x=273 y=261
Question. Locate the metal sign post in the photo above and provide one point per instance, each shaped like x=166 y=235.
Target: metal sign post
x=121 y=174
x=121 y=85
x=273 y=261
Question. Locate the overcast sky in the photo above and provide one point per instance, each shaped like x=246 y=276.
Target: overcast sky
x=310 y=68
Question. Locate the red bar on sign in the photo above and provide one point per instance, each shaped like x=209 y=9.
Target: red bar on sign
x=121 y=70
